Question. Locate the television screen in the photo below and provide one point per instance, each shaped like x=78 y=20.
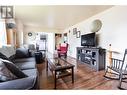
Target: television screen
x=88 y=39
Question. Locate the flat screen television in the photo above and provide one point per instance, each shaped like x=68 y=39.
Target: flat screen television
x=88 y=40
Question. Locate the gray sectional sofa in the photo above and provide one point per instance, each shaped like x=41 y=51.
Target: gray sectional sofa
x=23 y=61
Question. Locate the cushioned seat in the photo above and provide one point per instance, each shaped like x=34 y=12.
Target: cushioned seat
x=35 y=75
x=23 y=83
x=26 y=65
x=30 y=72
x=25 y=59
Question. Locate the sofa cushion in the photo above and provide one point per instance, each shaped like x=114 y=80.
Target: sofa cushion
x=5 y=74
x=11 y=50
x=14 y=69
x=26 y=65
x=4 y=51
x=30 y=72
x=30 y=59
x=7 y=50
x=22 y=53
x=12 y=58
x=19 y=84
x=3 y=56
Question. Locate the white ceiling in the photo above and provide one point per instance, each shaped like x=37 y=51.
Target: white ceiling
x=56 y=17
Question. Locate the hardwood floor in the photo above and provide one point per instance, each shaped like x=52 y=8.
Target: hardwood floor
x=85 y=78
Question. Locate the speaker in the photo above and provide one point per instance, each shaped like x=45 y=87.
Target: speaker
x=10 y=25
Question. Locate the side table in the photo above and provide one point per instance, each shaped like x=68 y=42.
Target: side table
x=38 y=57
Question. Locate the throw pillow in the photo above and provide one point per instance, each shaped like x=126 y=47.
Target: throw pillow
x=3 y=56
x=5 y=74
x=12 y=58
x=14 y=69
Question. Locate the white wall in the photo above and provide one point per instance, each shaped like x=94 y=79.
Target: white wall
x=113 y=31
x=51 y=42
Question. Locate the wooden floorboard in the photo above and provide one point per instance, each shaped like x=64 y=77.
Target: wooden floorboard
x=85 y=78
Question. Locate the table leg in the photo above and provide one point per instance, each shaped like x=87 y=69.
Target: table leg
x=72 y=74
x=46 y=65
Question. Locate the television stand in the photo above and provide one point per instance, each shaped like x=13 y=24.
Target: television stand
x=94 y=57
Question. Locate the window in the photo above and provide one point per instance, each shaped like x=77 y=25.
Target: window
x=3 y=38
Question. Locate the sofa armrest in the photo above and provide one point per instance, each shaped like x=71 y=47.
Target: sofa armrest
x=22 y=53
x=19 y=84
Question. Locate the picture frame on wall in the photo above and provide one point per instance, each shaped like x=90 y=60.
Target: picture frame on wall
x=78 y=34
x=74 y=31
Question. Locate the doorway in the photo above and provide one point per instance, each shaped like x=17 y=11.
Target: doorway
x=58 y=40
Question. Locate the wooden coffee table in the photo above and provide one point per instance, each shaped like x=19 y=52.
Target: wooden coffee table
x=60 y=68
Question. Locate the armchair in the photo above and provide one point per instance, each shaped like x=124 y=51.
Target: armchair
x=62 y=51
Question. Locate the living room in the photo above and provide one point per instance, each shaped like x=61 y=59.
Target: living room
x=110 y=33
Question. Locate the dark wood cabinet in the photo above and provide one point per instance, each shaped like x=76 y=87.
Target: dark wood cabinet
x=94 y=57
